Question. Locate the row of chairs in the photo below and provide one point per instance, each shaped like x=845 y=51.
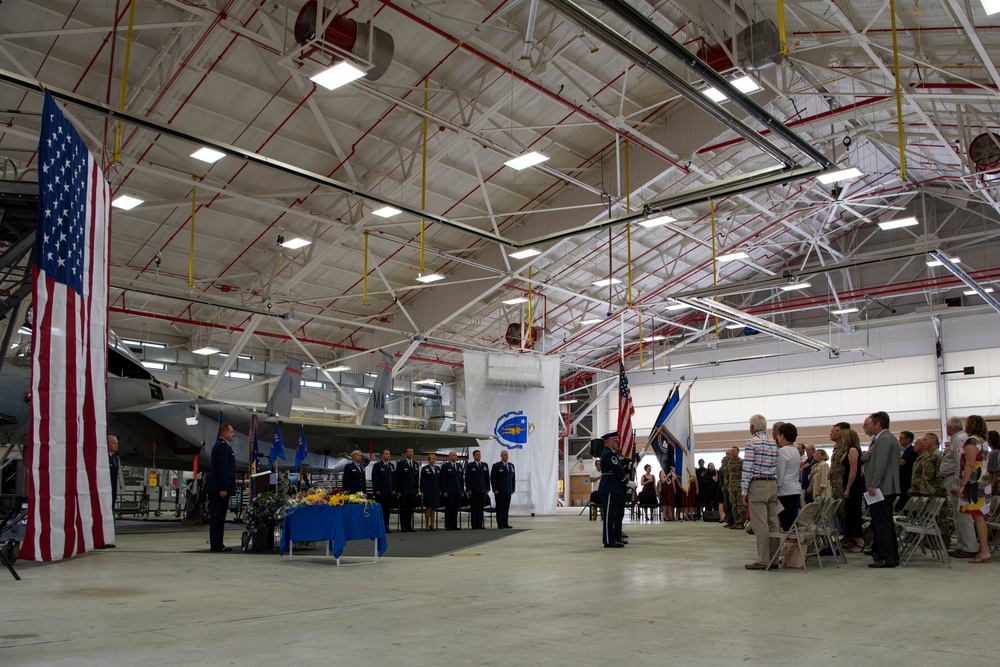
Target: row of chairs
x=917 y=528
x=813 y=532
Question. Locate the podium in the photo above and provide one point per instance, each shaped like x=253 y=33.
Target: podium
x=263 y=482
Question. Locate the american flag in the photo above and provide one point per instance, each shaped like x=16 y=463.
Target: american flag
x=69 y=484
x=626 y=436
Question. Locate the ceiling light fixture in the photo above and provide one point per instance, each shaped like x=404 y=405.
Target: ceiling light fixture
x=975 y=287
x=606 y=282
x=714 y=94
x=525 y=254
x=657 y=221
x=428 y=381
x=386 y=212
x=296 y=243
x=844 y=311
x=527 y=160
x=338 y=369
x=209 y=155
x=746 y=85
x=712 y=307
x=732 y=256
x=972 y=292
x=513 y=302
x=339 y=75
x=934 y=262
x=592 y=320
x=991 y=7
x=657 y=337
x=206 y=350
x=429 y=278
x=569 y=401
x=735 y=325
x=896 y=224
x=677 y=306
x=839 y=175
x=126 y=202
x=796 y=286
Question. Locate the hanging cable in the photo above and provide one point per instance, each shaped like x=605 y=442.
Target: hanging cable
x=194 y=207
x=528 y=338
x=715 y=264
x=365 y=288
x=423 y=180
x=117 y=156
x=899 y=91
x=639 y=313
x=628 y=235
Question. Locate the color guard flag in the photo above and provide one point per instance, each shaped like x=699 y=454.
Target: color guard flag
x=69 y=481
x=254 y=447
x=301 y=452
x=626 y=436
x=277 y=448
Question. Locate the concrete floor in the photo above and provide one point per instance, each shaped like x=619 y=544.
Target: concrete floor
x=678 y=594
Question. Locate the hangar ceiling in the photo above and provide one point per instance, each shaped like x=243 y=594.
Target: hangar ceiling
x=466 y=86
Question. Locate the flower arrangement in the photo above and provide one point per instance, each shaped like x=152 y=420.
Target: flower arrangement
x=333 y=498
x=264 y=510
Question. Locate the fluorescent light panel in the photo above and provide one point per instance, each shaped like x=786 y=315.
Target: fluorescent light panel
x=896 y=224
x=126 y=202
x=570 y=401
x=208 y=155
x=677 y=306
x=606 y=282
x=339 y=75
x=657 y=221
x=337 y=369
x=937 y=262
x=516 y=300
x=972 y=292
x=430 y=278
x=732 y=256
x=844 y=311
x=592 y=320
x=839 y=175
x=206 y=350
x=746 y=85
x=525 y=254
x=296 y=243
x=735 y=325
x=386 y=212
x=796 y=286
x=526 y=160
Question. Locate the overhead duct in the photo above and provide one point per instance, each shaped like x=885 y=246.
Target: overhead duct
x=758 y=47
x=364 y=41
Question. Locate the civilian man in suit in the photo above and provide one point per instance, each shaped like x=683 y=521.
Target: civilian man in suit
x=503 y=482
x=477 y=485
x=907 y=455
x=407 y=486
x=221 y=484
x=353 y=479
x=452 y=490
x=882 y=474
x=612 y=491
x=382 y=482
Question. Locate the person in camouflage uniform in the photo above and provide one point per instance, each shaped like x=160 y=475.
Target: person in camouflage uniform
x=727 y=509
x=734 y=473
x=927 y=481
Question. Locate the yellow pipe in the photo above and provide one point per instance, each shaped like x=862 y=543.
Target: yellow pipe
x=781 y=27
x=423 y=181
x=365 y=301
x=899 y=93
x=117 y=157
x=194 y=205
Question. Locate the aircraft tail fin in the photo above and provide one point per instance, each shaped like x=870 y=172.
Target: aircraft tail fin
x=375 y=412
x=288 y=387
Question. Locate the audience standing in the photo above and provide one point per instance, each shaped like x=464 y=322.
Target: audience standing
x=734 y=470
x=789 y=486
x=928 y=482
x=759 y=489
x=907 y=455
x=965 y=532
x=882 y=474
x=852 y=490
x=972 y=489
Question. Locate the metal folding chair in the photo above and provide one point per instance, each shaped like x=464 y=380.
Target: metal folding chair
x=803 y=532
x=825 y=530
x=921 y=531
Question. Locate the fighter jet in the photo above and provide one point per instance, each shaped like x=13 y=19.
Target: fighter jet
x=159 y=426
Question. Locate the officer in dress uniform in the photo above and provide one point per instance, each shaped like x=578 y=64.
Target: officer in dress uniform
x=477 y=485
x=382 y=483
x=502 y=479
x=221 y=484
x=612 y=491
x=452 y=490
x=407 y=486
x=353 y=479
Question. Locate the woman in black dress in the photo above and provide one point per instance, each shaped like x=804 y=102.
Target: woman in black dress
x=430 y=487
x=647 y=495
x=854 y=486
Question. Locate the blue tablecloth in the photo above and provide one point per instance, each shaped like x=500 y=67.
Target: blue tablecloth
x=322 y=523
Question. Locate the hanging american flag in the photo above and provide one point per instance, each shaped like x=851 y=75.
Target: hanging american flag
x=69 y=483
x=626 y=436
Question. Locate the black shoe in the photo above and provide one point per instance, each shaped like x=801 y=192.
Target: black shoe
x=614 y=545
x=881 y=564
x=221 y=549
x=624 y=536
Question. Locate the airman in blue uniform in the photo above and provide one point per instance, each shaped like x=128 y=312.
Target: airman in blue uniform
x=407 y=486
x=382 y=484
x=452 y=490
x=502 y=479
x=612 y=491
x=477 y=485
x=353 y=479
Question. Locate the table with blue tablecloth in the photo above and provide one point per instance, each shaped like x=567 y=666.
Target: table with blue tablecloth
x=335 y=526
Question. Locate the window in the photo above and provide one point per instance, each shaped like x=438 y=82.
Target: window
x=313 y=385
x=154 y=366
x=235 y=375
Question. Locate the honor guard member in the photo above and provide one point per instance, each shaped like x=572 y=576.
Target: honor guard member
x=452 y=490
x=221 y=484
x=477 y=485
x=612 y=491
x=407 y=486
x=503 y=483
x=382 y=482
x=353 y=479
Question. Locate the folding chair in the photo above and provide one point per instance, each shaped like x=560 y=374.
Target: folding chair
x=825 y=530
x=803 y=532
x=11 y=532
x=922 y=530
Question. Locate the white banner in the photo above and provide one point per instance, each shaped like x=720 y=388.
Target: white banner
x=516 y=398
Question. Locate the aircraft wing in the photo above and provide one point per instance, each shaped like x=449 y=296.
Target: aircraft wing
x=340 y=438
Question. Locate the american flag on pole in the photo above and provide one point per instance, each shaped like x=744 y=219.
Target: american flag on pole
x=69 y=481
x=626 y=436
